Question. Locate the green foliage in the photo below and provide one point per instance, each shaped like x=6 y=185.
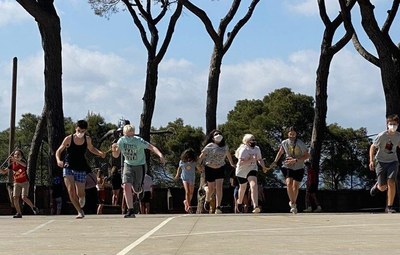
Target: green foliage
x=267 y=120
x=344 y=158
x=172 y=146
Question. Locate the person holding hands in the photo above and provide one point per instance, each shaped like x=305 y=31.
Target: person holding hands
x=133 y=149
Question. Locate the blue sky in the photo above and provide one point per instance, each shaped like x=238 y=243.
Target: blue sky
x=104 y=64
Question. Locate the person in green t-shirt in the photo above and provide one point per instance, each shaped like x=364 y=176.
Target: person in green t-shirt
x=132 y=148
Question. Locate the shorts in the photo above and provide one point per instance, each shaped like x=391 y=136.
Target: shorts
x=79 y=176
x=146 y=197
x=242 y=180
x=134 y=175
x=385 y=171
x=101 y=196
x=297 y=174
x=21 y=188
x=212 y=174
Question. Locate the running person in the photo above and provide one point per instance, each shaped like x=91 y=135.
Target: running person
x=386 y=161
x=213 y=158
x=75 y=165
x=293 y=166
x=248 y=154
x=21 y=182
x=187 y=171
x=132 y=148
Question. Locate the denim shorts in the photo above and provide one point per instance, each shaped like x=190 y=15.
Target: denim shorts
x=79 y=176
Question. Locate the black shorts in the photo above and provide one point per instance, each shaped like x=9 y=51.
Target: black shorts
x=242 y=180
x=212 y=174
x=297 y=174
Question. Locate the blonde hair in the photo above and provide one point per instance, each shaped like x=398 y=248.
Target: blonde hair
x=246 y=138
x=128 y=128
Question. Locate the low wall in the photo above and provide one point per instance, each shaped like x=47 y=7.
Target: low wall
x=164 y=201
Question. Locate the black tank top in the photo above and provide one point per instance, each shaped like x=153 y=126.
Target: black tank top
x=75 y=158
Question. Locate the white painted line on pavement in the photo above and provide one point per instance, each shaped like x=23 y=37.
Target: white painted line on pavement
x=38 y=227
x=145 y=236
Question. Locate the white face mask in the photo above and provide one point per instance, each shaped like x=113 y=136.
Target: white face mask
x=80 y=135
x=392 y=128
x=218 y=138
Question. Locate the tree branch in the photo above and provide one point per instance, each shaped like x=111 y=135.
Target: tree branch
x=170 y=31
x=228 y=17
x=391 y=15
x=138 y=24
x=204 y=18
x=239 y=25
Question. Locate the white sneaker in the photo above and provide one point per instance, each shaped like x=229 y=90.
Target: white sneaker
x=319 y=209
x=256 y=210
x=82 y=201
x=308 y=210
x=218 y=210
x=80 y=215
x=293 y=208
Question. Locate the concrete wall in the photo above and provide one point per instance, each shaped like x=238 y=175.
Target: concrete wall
x=276 y=201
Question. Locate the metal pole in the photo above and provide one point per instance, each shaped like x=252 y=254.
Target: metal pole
x=11 y=142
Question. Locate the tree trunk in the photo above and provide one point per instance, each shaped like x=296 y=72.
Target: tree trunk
x=51 y=41
x=149 y=98
x=389 y=55
x=48 y=22
x=212 y=91
x=35 y=147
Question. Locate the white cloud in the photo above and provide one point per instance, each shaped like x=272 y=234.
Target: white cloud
x=111 y=86
x=310 y=7
x=12 y=12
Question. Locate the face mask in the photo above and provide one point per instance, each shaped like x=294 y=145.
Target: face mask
x=392 y=128
x=218 y=138
x=252 y=144
x=80 y=135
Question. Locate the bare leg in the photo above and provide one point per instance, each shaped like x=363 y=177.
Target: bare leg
x=218 y=191
x=70 y=184
x=128 y=195
x=254 y=190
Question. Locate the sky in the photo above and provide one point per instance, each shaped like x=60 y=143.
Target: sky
x=104 y=64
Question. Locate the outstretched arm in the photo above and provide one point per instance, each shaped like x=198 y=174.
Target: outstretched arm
x=155 y=150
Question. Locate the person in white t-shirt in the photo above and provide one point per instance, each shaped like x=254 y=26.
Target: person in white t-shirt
x=248 y=154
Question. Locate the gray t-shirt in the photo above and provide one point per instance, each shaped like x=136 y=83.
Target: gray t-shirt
x=295 y=150
x=386 y=145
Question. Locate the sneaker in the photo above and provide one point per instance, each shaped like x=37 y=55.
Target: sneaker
x=318 y=209
x=374 y=190
x=80 y=215
x=218 y=210
x=82 y=201
x=239 y=208
x=130 y=214
x=17 y=215
x=390 y=209
x=35 y=210
x=308 y=210
x=257 y=210
x=293 y=208
x=207 y=206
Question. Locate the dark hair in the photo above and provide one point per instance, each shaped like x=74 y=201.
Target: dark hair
x=210 y=138
x=82 y=124
x=291 y=128
x=22 y=154
x=188 y=155
x=392 y=117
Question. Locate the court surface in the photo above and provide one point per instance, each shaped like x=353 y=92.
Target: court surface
x=324 y=233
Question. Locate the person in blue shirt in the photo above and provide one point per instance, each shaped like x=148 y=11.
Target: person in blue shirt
x=133 y=149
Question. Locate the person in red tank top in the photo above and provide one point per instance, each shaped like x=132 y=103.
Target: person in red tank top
x=21 y=182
